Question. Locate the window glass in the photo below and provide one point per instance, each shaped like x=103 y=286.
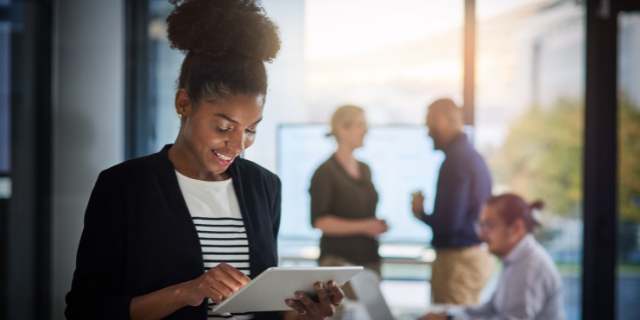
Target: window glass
x=391 y=58
x=393 y=70
x=628 y=271
x=164 y=69
x=529 y=118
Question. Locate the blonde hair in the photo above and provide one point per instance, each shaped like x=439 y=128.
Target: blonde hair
x=343 y=117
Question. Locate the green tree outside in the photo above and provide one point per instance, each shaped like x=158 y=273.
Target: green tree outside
x=629 y=161
x=541 y=158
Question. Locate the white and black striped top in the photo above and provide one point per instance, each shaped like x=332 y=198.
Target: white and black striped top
x=216 y=215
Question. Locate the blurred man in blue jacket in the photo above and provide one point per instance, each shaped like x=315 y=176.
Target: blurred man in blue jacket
x=462 y=267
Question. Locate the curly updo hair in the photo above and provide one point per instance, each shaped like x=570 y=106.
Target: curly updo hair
x=226 y=44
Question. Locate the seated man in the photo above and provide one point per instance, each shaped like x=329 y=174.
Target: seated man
x=530 y=286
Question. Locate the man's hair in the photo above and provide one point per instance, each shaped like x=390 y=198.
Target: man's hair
x=448 y=109
x=512 y=207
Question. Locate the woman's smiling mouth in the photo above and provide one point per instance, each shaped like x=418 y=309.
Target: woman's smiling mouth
x=223 y=159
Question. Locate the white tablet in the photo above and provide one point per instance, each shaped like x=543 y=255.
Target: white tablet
x=270 y=290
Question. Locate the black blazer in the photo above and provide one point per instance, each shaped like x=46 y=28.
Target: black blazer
x=139 y=237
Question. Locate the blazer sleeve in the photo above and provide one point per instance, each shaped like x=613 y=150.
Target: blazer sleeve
x=98 y=287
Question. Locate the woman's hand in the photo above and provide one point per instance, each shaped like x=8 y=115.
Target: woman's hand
x=218 y=284
x=417 y=204
x=374 y=227
x=308 y=309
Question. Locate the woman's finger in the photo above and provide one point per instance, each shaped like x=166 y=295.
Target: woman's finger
x=220 y=275
x=222 y=288
x=234 y=273
x=213 y=294
x=310 y=305
x=323 y=298
x=298 y=307
x=336 y=295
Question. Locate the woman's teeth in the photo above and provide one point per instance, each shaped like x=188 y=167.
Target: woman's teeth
x=222 y=156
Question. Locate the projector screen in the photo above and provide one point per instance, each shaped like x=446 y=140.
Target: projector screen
x=402 y=161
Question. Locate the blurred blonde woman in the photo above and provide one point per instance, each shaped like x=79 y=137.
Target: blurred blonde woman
x=344 y=199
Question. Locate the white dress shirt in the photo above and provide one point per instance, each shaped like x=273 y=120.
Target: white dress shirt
x=530 y=287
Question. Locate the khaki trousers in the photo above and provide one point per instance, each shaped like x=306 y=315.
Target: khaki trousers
x=459 y=274
x=336 y=261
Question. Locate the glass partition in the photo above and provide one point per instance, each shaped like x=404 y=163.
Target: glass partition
x=628 y=271
x=529 y=118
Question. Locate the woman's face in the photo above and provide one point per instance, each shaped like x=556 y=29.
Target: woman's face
x=216 y=133
x=353 y=135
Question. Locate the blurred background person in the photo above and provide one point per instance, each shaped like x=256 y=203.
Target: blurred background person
x=530 y=286
x=344 y=199
x=461 y=268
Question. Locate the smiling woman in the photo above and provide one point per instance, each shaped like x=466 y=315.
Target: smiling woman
x=172 y=234
x=214 y=133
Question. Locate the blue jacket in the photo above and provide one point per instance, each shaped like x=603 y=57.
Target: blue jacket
x=464 y=184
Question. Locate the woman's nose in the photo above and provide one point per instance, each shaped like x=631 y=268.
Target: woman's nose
x=236 y=142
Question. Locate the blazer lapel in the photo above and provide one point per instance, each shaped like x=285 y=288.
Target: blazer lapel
x=168 y=182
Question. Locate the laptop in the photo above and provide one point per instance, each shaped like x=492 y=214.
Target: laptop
x=366 y=286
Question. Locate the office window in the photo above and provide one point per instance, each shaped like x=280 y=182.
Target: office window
x=628 y=271
x=391 y=57
x=25 y=158
x=393 y=70
x=530 y=75
x=164 y=69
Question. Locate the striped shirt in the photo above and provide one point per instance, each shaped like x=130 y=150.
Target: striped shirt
x=216 y=215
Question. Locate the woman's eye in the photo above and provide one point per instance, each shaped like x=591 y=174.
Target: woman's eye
x=251 y=131
x=222 y=130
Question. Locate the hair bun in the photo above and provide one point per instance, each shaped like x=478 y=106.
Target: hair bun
x=220 y=28
x=537 y=205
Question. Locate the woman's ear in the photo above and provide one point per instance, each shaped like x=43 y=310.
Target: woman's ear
x=183 y=103
x=340 y=131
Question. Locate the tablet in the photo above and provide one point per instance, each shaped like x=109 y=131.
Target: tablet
x=269 y=290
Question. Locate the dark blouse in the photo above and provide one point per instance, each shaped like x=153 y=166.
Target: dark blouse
x=139 y=237
x=335 y=192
